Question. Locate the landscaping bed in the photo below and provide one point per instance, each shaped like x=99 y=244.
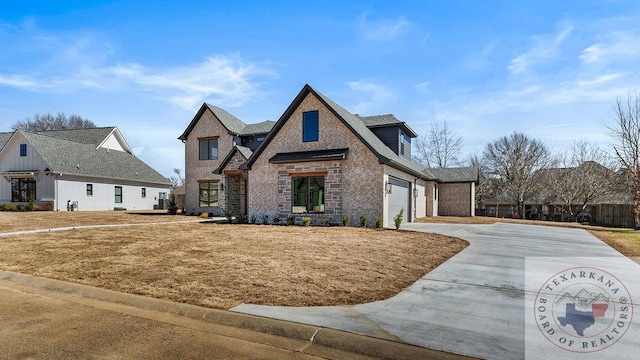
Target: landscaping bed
x=221 y=266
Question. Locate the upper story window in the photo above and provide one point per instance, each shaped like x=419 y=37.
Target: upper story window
x=23 y=149
x=208 y=148
x=310 y=130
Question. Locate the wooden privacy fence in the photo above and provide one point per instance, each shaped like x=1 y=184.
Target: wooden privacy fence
x=615 y=215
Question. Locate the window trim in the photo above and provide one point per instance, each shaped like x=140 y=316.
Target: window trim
x=28 y=194
x=309 y=137
x=208 y=140
x=143 y=193
x=89 y=189
x=209 y=188
x=23 y=150
x=309 y=206
x=116 y=194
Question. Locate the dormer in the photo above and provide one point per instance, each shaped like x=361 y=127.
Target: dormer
x=392 y=132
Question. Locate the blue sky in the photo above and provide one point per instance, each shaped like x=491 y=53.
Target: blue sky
x=550 y=69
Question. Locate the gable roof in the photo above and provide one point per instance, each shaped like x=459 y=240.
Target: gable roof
x=244 y=151
x=4 y=138
x=233 y=125
x=76 y=153
x=454 y=175
x=386 y=120
x=352 y=122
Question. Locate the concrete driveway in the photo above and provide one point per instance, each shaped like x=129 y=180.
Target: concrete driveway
x=476 y=304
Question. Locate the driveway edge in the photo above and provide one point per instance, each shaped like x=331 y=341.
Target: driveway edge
x=323 y=337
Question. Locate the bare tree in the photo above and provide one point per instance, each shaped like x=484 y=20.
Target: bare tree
x=511 y=162
x=45 y=122
x=178 y=179
x=439 y=147
x=625 y=130
x=585 y=174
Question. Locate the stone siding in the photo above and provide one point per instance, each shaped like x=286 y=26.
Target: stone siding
x=458 y=199
x=357 y=180
x=196 y=169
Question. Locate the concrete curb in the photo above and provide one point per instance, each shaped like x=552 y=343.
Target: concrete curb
x=325 y=337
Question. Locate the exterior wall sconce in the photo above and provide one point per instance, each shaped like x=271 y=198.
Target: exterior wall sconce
x=387 y=187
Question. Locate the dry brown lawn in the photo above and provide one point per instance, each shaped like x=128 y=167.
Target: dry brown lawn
x=221 y=266
x=626 y=241
x=14 y=221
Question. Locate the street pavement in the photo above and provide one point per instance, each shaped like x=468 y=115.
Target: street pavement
x=478 y=302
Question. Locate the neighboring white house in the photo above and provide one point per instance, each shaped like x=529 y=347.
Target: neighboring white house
x=83 y=169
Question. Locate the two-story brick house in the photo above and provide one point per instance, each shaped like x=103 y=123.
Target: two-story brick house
x=317 y=160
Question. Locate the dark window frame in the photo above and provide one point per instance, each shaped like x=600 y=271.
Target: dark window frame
x=310 y=126
x=22 y=189
x=206 y=152
x=212 y=196
x=310 y=199
x=89 y=189
x=143 y=192
x=118 y=196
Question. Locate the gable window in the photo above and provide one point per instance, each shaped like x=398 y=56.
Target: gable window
x=208 y=194
x=310 y=130
x=144 y=192
x=208 y=148
x=23 y=149
x=118 y=193
x=23 y=189
x=89 y=189
x=308 y=194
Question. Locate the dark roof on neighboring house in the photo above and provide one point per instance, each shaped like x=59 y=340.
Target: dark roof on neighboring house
x=316 y=155
x=352 y=122
x=83 y=157
x=386 y=120
x=454 y=175
x=259 y=128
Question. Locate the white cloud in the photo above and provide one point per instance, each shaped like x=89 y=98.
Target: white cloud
x=613 y=46
x=544 y=47
x=384 y=29
x=371 y=96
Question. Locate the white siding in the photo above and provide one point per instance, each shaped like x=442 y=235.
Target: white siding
x=112 y=143
x=10 y=160
x=103 y=198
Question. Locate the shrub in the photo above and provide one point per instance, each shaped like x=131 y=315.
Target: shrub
x=398 y=218
x=253 y=219
x=345 y=220
x=20 y=207
x=172 y=207
x=8 y=207
x=229 y=215
x=45 y=206
x=379 y=222
x=291 y=220
x=265 y=219
x=326 y=221
x=204 y=215
x=32 y=204
x=117 y=208
x=276 y=220
x=363 y=220
x=242 y=218
x=306 y=221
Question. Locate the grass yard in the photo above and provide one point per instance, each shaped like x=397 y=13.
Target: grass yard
x=221 y=266
x=626 y=241
x=14 y=221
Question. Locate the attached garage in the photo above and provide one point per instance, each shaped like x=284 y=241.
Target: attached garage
x=398 y=198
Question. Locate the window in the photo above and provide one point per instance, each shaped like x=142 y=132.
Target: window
x=310 y=129
x=209 y=149
x=208 y=194
x=89 y=189
x=308 y=194
x=144 y=192
x=23 y=149
x=118 y=193
x=23 y=189
x=260 y=139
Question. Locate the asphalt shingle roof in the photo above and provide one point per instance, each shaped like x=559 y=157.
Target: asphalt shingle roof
x=232 y=123
x=83 y=136
x=80 y=158
x=259 y=128
x=4 y=138
x=379 y=120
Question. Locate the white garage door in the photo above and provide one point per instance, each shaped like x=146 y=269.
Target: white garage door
x=398 y=199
